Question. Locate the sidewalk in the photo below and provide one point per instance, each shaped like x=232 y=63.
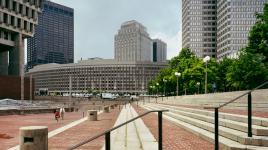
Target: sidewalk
x=174 y=137
x=83 y=131
x=9 y=125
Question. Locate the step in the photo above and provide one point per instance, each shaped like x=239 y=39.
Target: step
x=225 y=143
x=241 y=118
x=232 y=134
x=256 y=130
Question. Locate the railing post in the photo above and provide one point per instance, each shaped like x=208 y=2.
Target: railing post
x=249 y=115
x=216 y=146
x=107 y=141
x=160 y=145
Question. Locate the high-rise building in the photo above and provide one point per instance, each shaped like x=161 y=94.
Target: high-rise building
x=218 y=27
x=17 y=22
x=159 y=51
x=199 y=26
x=133 y=43
x=53 y=41
x=235 y=19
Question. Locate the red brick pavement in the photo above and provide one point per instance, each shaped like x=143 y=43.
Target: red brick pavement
x=174 y=137
x=230 y=111
x=9 y=125
x=84 y=131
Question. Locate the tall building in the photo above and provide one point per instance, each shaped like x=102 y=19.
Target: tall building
x=199 y=26
x=218 y=27
x=17 y=22
x=159 y=51
x=53 y=41
x=235 y=19
x=133 y=43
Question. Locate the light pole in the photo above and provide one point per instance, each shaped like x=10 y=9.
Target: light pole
x=165 y=81
x=177 y=74
x=206 y=59
x=157 y=85
x=198 y=83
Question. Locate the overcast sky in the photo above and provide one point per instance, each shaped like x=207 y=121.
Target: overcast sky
x=97 y=21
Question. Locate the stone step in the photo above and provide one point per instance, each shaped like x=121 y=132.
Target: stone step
x=225 y=143
x=240 y=118
x=232 y=134
x=256 y=130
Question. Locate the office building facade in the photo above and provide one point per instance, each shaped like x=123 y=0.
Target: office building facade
x=218 y=28
x=53 y=41
x=199 y=26
x=235 y=19
x=159 y=51
x=104 y=75
x=18 y=20
x=133 y=43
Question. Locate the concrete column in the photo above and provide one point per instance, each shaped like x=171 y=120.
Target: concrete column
x=92 y=115
x=16 y=61
x=107 y=109
x=1 y=17
x=34 y=137
x=4 y=63
x=3 y=3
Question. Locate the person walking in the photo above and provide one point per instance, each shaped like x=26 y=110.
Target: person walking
x=62 y=112
x=57 y=115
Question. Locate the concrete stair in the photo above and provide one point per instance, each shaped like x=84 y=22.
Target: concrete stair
x=134 y=135
x=232 y=129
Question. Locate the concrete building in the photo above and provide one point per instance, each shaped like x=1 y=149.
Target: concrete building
x=53 y=41
x=199 y=26
x=218 y=28
x=98 y=74
x=17 y=22
x=159 y=51
x=235 y=19
x=133 y=43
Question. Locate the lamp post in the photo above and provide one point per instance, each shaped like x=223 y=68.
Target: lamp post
x=206 y=59
x=157 y=85
x=198 y=84
x=165 y=81
x=177 y=74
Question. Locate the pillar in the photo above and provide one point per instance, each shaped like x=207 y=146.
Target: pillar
x=34 y=138
x=4 y=63
x=16 y=61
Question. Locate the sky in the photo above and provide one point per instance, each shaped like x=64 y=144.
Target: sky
x=97 y=21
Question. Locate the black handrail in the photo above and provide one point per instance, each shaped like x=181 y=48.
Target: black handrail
x=216 y=114
x=107 y=132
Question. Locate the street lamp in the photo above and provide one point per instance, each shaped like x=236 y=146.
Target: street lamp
x=198 y=83
x=165 y=81
x=206 y=59
x=177 y=74
x=157 y=85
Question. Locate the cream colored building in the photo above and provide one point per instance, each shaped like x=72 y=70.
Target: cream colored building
x=98 y=74
x=133 y=43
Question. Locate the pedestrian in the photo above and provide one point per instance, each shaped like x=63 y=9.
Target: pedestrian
x=62 y=112
x=57 y=115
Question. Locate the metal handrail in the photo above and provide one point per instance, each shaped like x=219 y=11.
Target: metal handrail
x=107 y=132
x=243 y=95
x=216 y=115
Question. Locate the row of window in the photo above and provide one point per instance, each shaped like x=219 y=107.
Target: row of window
x=16 y=22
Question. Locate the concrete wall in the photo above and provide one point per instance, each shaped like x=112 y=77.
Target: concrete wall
x=10 y=87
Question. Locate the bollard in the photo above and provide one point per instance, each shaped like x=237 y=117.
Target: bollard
x=34 y=137
x=92 y=115
x=107 y=109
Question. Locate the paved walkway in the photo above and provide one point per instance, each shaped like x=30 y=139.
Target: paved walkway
x=174 y=137
x=84 y=130
x=9 y=125
x=132 y=136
